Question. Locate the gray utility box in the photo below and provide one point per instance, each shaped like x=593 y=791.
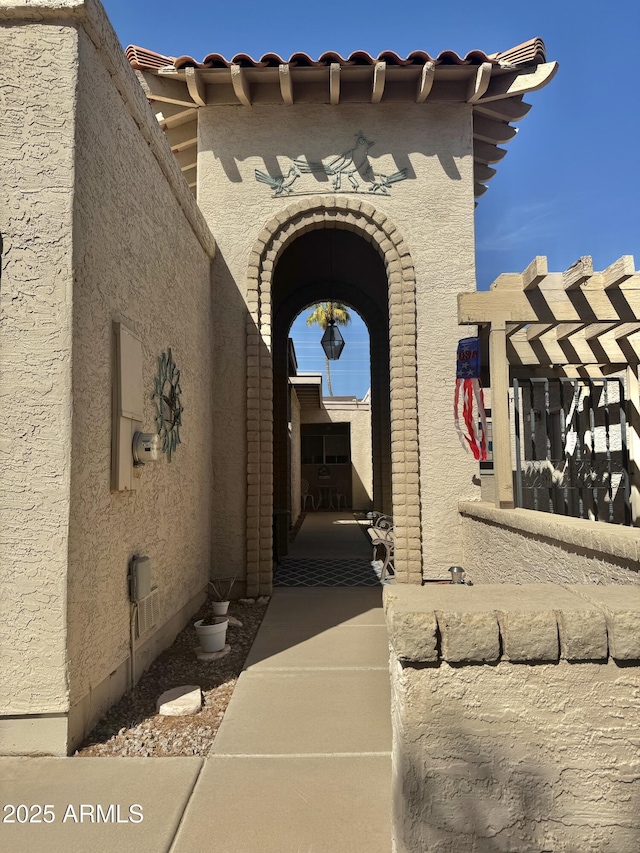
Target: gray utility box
x=140 y=578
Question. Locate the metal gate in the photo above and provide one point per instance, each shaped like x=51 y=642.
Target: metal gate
x=571 y=448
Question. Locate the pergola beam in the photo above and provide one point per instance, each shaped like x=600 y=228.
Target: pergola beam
x=566 y=330
x=596 y=330
x=618 y=272
x=578 y=273
x=535 y=273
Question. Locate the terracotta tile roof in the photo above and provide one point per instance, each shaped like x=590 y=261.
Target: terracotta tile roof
x=530 y=52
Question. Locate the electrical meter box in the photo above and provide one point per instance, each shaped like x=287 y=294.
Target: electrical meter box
x=140 y=578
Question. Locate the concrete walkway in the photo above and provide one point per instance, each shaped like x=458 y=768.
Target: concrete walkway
x=301 y=763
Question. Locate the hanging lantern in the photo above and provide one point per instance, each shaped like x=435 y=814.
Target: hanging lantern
x=332 y=342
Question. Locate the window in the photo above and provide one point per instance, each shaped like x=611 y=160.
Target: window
x=330 y=447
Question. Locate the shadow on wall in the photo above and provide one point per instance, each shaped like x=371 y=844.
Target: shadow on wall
x=460 y=799
x=228 y=388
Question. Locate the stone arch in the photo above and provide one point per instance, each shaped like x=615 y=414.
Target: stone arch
x=373 y=225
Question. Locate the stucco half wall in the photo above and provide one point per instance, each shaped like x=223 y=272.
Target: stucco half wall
x=100 y=227
x=523 y=546
x=514 y=715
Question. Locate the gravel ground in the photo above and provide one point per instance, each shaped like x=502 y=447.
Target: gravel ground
x=132 y=727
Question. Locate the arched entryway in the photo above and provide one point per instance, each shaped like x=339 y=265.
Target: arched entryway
x=280 y=284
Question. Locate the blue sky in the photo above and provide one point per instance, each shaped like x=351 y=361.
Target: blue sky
x=570 y=184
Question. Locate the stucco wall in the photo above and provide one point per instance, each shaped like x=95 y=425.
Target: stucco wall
x=433 y=210
x=523 y=546
x=361 y=453
x=37 y=98
x=514 y=719
x=138 y=260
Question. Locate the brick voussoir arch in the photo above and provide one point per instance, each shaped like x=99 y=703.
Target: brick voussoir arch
x=374 y=226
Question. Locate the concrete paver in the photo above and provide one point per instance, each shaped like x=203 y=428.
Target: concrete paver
x=330 y=534
x=160 y=786
x=322 y=607
x=311 y=711
x=355 y=646
x=284 y=804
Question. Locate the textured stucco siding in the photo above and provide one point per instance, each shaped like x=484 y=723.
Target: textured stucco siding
x=361 y=451
x=516 y=758
x=433 y=211
x=501 y=553
x=37 y=101
x=136 y=260
x=515 y=717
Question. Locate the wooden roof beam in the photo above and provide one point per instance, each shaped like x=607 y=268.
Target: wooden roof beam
x=566 y=330
x=595 y=330
x=191 y=176
x=508 y=85
x=578 y=273
x=509 y=109
x=379 y=76
x=537 y=330
x=196 y=86
x=618 y=272
x=187 y=157
x=183 y=136
x=286 y=84
x=241 y=85
x=535 y=273
x=485 y=153
x=425 y=81
x=482 y=172
x=168 y=115
x=626 y=329
x=577 y=351
x=492 y=131
x=479 y=83
x=334 y=84
x=167 y=91
x=507 y=281
x=551 y=304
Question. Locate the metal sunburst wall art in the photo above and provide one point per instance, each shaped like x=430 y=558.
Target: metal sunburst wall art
x=168 y=406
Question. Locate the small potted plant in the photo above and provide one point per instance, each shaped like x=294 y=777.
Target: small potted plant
x=212 y=632
x=220 y=592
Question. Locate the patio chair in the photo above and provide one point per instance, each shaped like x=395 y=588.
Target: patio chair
x=339 y=497
x=306 y=495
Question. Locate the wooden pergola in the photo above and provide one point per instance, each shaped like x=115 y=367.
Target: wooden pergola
x=578 y=323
